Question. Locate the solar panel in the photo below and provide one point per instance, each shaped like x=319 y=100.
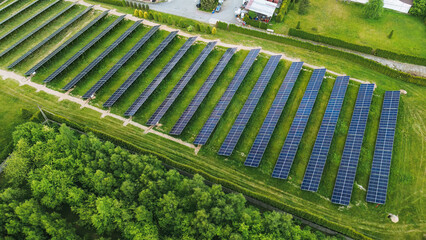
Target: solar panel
x=346 y=175
x=66 y=43
x=35 y=31
x=243 y=117
x=208 y=84
x=159 y=78
x=380 y=169
x=322 y=144
x=292 y=141
x=165 y=105
x=9 y=5
x=120 y=91
x=120 y=63
x=101 y=56
x=83 y=50
x=18 y=12
x=20 y=59
x=262 y=139
x=27 y=20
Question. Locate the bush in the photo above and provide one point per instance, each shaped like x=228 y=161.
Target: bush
x=208 y=5
x=112 y=2
x=197 y=27
x=279 y=18
x=303 y=7
x=400 y=57
x=136 y=13
x=190 y=28
x=150 y=16
x=263 y=25
x=214 y=31
x=418 y=8
x=373 y=9
x=147 y=7
x=155 y=15
x=145 y=15
x=208 y=29
x=222 y=25
x=390 y=34
x=298 y=25
x=141 y=14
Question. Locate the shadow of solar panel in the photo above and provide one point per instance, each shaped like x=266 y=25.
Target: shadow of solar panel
x=159 y=78
x=346 y=175
x=240 y=123
x=117 y=94
x=292 y=141
x=262 y=139
x=35 y=31
x=322 y=144
x=101 y=56
x=380 y=169
x=20 y=59
x=83 y=50
x=120 y=63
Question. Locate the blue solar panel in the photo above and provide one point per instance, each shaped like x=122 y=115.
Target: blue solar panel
x=243 y=117
x=380 y=169
x=160 y=77
x=220 y=107
x=292 y=141
x=101 y=56
x=120 y=63
x=208 y=84
x=120 y=91
x=262 y=139
x=345 y=177
x=159 y=113
x=325 y=135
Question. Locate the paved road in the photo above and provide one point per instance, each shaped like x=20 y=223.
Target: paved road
x=187 y=8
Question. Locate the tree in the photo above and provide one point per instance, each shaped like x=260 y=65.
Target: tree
x=197 y=27
x=298 y=25
x=373 y=9
x=147 y=7
x=141 y=14
x=303 y=7
x=145 y=15
x=136 y=13
x=214 y=31
x=108 y=210
x=418 y=8
x=208 y=5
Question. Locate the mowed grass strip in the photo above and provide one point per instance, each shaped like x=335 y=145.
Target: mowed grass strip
x=12 y=9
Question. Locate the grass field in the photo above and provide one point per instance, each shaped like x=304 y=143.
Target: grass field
x=405 y=195
x=344 y=21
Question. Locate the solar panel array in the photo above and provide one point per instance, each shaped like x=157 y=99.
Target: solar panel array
x=204 y=90
x=101 y=56
x=262 y=139
x=292 y=141
x=29 y=19
x=346 y=175
x=20 y=59
x=322 y=144
x=240 y=123
x=166 y=104
x=18 y=12
x=120 y=91
x=120 y=63
x=159 y=78
x=66 y=43
x=35 y=31
x=9 y=5
x=83 y=50
x=379 y=178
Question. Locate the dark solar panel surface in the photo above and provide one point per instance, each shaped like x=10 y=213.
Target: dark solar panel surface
x=322 y=144
x=120 y=91
x=120 y=63
x=20 y=59
x=346 y=175
x=262 y=139
x=292 y=141
x=101 y=56
x=159 y=78
x=167 y=103
x=83 y=50
x=240 y=123
x=379 y=178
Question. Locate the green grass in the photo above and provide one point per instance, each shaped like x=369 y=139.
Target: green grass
x=346 y=22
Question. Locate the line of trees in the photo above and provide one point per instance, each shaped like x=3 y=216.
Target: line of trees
x=62 y=186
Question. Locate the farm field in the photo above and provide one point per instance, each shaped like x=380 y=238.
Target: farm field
x=405 y=195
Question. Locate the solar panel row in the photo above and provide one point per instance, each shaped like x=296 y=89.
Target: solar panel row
x=240 y=123
x=18 y=12
x=262 y=139
x=20 y=59
x=35 y=30
x=28 y=20
x=380 y=169
x=83 y=50
x=101 y=56
x=120 y=63
x=294 y=136
x=166 y=104
x=322 y=144
x=8 y=5
x=346 y=175
x=159 y=78
x=66 y=43
x=120 y=91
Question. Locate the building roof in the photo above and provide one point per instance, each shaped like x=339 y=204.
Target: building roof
x=262 y=6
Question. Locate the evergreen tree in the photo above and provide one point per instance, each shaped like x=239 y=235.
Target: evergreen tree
x=373 y=9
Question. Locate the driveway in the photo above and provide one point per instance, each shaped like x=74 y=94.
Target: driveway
x=187 y=8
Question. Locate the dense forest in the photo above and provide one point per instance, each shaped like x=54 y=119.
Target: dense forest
x=60 y=185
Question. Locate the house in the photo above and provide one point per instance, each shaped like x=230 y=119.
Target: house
x=263 y=8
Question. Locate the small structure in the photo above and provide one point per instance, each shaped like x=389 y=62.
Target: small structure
x=393 y=218
x=397 y=5
x=263 y=8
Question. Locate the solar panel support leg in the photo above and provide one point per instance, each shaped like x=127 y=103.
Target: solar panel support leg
x=197 y=149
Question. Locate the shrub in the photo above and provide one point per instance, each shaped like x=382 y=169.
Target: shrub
x=112 y=2
x=390 y=34
x=400 y=57
x=214 y=30
x=160 y=17
x=373 y=9
x=298 y=25
x=197 y=27
x=145 y=15
x=279 y=18
x=150 y=16
x=303 y=7
x=208 y=29
x=136 y=13
x=141 y=14
x=155 y=16
x=263 y=25
x=208 y=5
x=222 y=25
x=418 y=8
x=147 y=7
x=190 y=28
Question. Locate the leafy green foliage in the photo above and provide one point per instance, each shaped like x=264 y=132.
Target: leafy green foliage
x=303 y=7
x=418 y=8
x=208 y=5
x=373 y=9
